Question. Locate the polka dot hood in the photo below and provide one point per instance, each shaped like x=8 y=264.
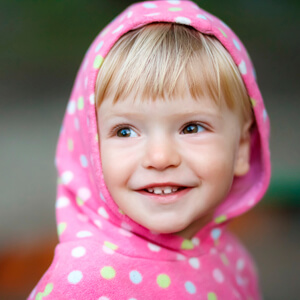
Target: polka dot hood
x=102 y=254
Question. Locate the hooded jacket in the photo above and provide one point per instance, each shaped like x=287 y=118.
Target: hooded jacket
x=102 y=254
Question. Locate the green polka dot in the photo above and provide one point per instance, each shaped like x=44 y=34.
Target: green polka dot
x=79 y=201
x=224 y=259
x=111 y=245
x=212 y=296
x=59 y=180
x=98 y=62
x=163 y=281
x=175 y=9
x=222 y=31
x=80 y=103
x=220 y=219
x=96 y=137
x=70 y=145
x=187 y=245
x=47 y=291
x=253 y=102
x=108 y=272
x=61 y=228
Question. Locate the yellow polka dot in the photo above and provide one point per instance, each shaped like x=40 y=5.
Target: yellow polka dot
x=70 y=145
x=224 y=259
x=163 y=281
x=98 y=62
x=253 y=102
x=80 y=103
x=222 y=31
x=220 y=219
x=61 y=228
x=79 y=201
x=110 y=245
x=96 y=137
x=212 y=296
x=187 y=245
x=108 y=272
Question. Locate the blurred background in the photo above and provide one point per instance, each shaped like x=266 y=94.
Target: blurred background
x=42 y=45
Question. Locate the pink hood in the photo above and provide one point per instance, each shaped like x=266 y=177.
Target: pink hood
x=102 y=253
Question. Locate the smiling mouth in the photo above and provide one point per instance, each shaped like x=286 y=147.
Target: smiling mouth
x=167 y=190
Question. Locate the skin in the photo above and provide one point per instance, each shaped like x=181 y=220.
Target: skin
x=190 y=143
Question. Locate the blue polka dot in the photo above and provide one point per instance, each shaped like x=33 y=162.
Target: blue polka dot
x=83 y=161
x=149 y=5
x=265 y=115
x=135 y=277
x=190 y=287
x=215 y=233
x=236 y=44
x=201 y=17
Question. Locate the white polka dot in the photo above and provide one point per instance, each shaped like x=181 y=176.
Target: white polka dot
x=88 y=122
x=153 y=14
x=174 y=2
x=183 y=20
x=102 y=197
x=240 y=264
x=132 y=299
x=76 y=124
x=126 y=226
x=83 y=161
x=149 y=5
x=195 y=241
x=190 y=287
x=107 y=250
x=67 y=177
x=180 y=257
x=194 y=262
x=84 y=234
x=265 y=114
x=98 y=223
x=71 y=107
x=82 y=218
x=216 y=233
x=201 y=17
x=129 y=14
x=78 y=252
x=84 y=193
x=62 y=202
x=103 y=213
x=213 y=251
x=236 y=44
x=218 y=275
x=135 y=277
x=251 y=202
x=75 y=277
x=103 y=298
x=86 y=62
x=119 y=28
x=153 y=247
x=125 y=232
x=242 y=67
x=99 y=46
x=92 y=99
x=229 y=248
x=240 y=281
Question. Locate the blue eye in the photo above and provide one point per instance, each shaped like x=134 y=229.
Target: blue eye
x=192 y=128
x=126 y=132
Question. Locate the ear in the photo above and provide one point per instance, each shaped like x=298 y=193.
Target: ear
x=242 y=164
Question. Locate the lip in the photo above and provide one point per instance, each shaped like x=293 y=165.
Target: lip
x=166 y=198
x=163 y=184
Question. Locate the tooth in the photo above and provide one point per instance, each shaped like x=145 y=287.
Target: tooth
x=157 y=191
x=150 y=190
x=174 y=189
x=167 y=190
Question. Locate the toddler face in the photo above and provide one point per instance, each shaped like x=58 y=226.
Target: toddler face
x=169 y=163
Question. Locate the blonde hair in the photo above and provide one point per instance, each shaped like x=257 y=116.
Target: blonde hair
x=166 y=60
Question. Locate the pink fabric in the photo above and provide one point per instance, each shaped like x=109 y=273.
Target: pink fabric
x=102 y=254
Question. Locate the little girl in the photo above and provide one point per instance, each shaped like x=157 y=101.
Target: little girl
x=164 y=141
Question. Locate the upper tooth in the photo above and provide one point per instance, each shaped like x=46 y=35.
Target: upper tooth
x=167 y=190
x=150 y=190
x=174 y=189
x=157 y=190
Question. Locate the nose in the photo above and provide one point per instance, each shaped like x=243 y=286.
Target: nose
x=161 y=153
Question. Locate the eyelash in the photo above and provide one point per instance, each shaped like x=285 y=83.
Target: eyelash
x=114 y=130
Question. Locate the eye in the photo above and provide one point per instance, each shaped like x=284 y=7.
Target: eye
x=126 y=132
x=193 y=128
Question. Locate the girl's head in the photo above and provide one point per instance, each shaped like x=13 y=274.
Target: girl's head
x=167 y=61
x=174 y=119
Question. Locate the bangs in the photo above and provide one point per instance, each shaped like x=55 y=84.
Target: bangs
x=167 y=61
